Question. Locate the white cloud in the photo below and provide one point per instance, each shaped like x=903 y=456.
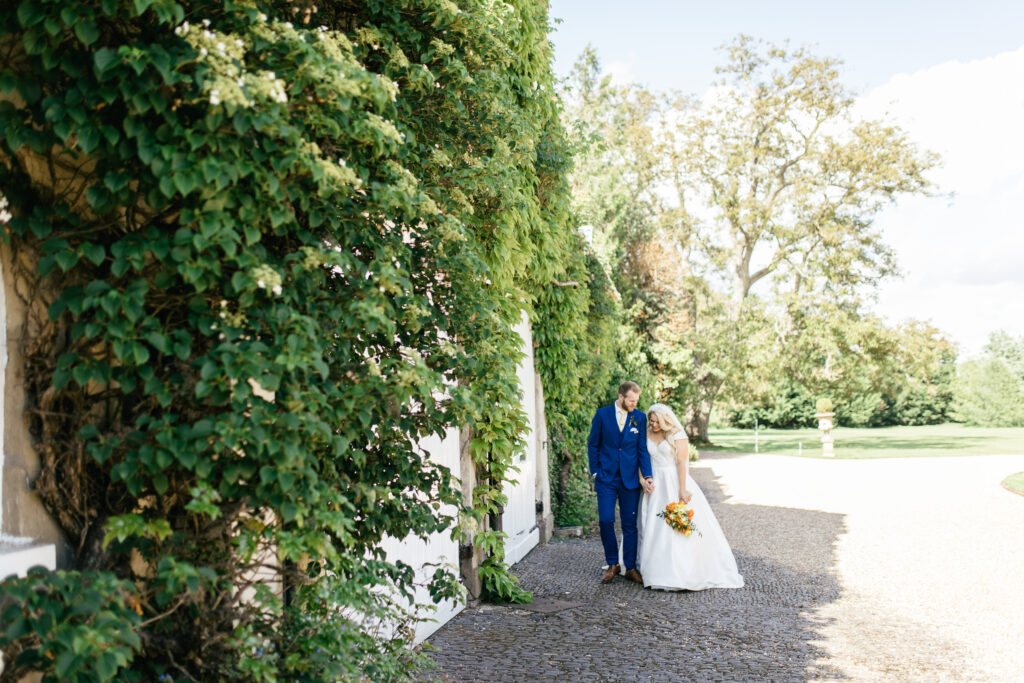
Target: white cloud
x=622 y=71
x=961 y=254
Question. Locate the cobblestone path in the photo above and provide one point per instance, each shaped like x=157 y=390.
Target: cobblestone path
x=848 y=576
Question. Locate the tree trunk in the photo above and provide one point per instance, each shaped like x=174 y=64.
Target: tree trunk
x=697 y=427
x=698 y=415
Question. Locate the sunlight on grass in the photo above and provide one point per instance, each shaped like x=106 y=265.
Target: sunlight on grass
x=1015 y=482
x=884 y=442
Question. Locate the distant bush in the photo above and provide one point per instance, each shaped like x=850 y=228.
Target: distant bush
x=987 y=394
x=790 y=406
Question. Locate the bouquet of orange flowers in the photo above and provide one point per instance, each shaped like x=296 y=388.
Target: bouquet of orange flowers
x=679 y=517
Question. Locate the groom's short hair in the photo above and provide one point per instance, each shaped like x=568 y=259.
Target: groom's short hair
x=627 y=387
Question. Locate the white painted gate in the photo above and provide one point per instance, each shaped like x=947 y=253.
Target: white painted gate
x=423 y=556
x=519 y=520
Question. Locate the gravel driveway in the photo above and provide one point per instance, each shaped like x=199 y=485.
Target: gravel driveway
x=895 y=569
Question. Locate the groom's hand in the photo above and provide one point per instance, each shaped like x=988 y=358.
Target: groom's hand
x=648 y=485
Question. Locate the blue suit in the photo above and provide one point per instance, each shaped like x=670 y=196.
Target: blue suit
x=615 y=457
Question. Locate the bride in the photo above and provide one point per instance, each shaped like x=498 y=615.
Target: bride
x=667 y=559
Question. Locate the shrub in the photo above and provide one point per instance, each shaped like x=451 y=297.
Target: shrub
x=578 y=506
x=80 y=626
x=986 y=393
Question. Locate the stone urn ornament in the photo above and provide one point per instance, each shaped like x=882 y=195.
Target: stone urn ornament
x=824 y=416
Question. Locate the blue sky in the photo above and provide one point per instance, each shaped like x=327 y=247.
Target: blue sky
x=950 y=73
x=672 y=44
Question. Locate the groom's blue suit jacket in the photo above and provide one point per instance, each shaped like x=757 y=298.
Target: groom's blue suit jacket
x=616 y=456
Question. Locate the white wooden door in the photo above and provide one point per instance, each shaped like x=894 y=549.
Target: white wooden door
x=423 y=556
x=519 y=520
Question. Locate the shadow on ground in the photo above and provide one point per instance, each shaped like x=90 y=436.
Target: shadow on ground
x=622 y=632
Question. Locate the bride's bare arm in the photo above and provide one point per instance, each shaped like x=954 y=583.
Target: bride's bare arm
x=682 y=456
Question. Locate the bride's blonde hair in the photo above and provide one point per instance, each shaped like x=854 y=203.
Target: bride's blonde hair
x=667 y=419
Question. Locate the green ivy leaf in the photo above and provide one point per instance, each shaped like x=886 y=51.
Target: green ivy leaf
x=30 y=12
x=104 y=60
x=88 y=139
x=86 y=31
x=141 y=6
x=7 y=82
x=66 y=259
x=94 y=252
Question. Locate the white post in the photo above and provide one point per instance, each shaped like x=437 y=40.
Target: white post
x=755 y=435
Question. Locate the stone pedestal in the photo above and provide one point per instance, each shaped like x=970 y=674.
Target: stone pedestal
x=825 y=427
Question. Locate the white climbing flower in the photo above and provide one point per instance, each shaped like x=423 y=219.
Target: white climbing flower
x=215 y=97
x=268 y=278
x=182 y=30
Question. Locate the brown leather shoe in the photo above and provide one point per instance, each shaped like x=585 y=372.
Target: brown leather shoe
x=634 y=576
x=610 y=573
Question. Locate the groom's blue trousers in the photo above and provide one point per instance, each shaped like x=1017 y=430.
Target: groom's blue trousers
x=629 y=503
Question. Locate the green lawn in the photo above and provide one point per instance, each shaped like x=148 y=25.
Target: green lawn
x=1015 y=482
x=884 y=442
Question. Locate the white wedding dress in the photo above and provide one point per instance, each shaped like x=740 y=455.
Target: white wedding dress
x=669 y=560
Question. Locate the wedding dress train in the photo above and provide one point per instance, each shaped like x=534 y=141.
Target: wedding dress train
x=669 y=560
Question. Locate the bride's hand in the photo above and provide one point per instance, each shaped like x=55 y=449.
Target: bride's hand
x=685 y=496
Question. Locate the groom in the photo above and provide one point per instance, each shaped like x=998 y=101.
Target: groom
x=617 y=448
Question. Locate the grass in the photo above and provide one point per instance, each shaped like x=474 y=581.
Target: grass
x=1015 y=482
x=883 y=442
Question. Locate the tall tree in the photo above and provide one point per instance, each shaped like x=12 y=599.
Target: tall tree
x=779 y=181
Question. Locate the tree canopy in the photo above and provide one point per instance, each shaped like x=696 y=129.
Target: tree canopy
x=740 y=225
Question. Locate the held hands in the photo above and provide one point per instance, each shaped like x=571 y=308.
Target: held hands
x=648 y=485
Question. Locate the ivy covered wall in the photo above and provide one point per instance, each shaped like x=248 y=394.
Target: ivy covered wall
x=277 y=243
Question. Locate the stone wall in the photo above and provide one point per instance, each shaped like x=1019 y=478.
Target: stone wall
x=23 y=519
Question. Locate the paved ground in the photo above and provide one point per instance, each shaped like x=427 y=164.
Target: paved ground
x=901 y=569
